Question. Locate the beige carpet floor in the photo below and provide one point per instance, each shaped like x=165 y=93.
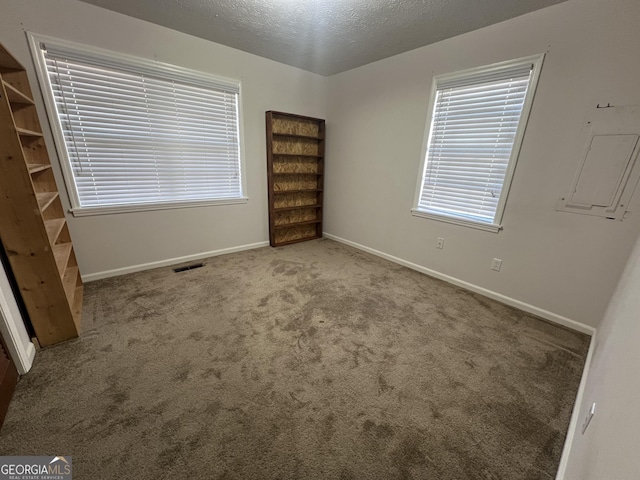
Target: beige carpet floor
x=312 y=361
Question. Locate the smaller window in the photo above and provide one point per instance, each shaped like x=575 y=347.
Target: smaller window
x=475 y=127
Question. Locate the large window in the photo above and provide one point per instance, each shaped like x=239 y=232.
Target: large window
x=476 y=123
x=134 y=134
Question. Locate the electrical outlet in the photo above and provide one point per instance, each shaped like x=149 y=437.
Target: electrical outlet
x=496 y=264
x=587 y=419
x=440 y=243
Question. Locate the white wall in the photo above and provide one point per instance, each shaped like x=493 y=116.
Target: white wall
x=564 y=263
x=609 y=448
x=109 y=242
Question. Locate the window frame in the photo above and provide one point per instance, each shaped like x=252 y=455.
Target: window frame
x=126 y=60
x=536 y=62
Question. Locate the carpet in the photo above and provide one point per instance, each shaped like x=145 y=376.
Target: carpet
x=312 y=361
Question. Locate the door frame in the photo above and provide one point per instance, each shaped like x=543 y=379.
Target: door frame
x=12 y=328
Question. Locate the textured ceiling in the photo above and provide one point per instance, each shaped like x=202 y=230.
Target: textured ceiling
x=324 y=36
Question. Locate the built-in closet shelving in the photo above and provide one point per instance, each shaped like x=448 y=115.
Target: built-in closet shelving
x=33 y=228
x=295 y=168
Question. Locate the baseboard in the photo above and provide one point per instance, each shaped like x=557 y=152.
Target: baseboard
x=170 y=261
x=574 y=423
x=540 y=312
x=28 y=361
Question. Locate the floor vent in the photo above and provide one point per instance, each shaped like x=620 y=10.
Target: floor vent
x=188 y=267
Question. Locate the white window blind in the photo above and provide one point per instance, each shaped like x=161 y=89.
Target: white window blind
x=475 y=122
x=141 y=134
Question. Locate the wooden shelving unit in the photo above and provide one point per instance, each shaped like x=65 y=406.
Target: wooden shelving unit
x=295 y=172
x=33 y=228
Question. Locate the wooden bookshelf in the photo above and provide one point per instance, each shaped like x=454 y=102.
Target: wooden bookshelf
x=33 y=228
x=295 y=175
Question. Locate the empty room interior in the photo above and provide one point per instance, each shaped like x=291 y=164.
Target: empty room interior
x=320 y=240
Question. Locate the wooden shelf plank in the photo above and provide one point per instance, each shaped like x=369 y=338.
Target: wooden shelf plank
x=298 y=240
x=297 y=191
x=16 y=96
x=275 y=154
x=37 y=167
x=297 y=224
x=61 y=252
x=290 y=116
x=54 y=227
x=297 y=207
x=69 y=281
x=45 y=199
x=295 y=135
x=297 y=173
x=23 y=132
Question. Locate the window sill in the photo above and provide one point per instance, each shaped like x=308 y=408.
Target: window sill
x=487 y=227
x=90 y=211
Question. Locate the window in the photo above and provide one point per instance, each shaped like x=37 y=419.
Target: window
x=476 y=123
x=134 y=134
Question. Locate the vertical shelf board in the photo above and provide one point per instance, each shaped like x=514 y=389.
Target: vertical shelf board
x=31 y=217
x=295 y=176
